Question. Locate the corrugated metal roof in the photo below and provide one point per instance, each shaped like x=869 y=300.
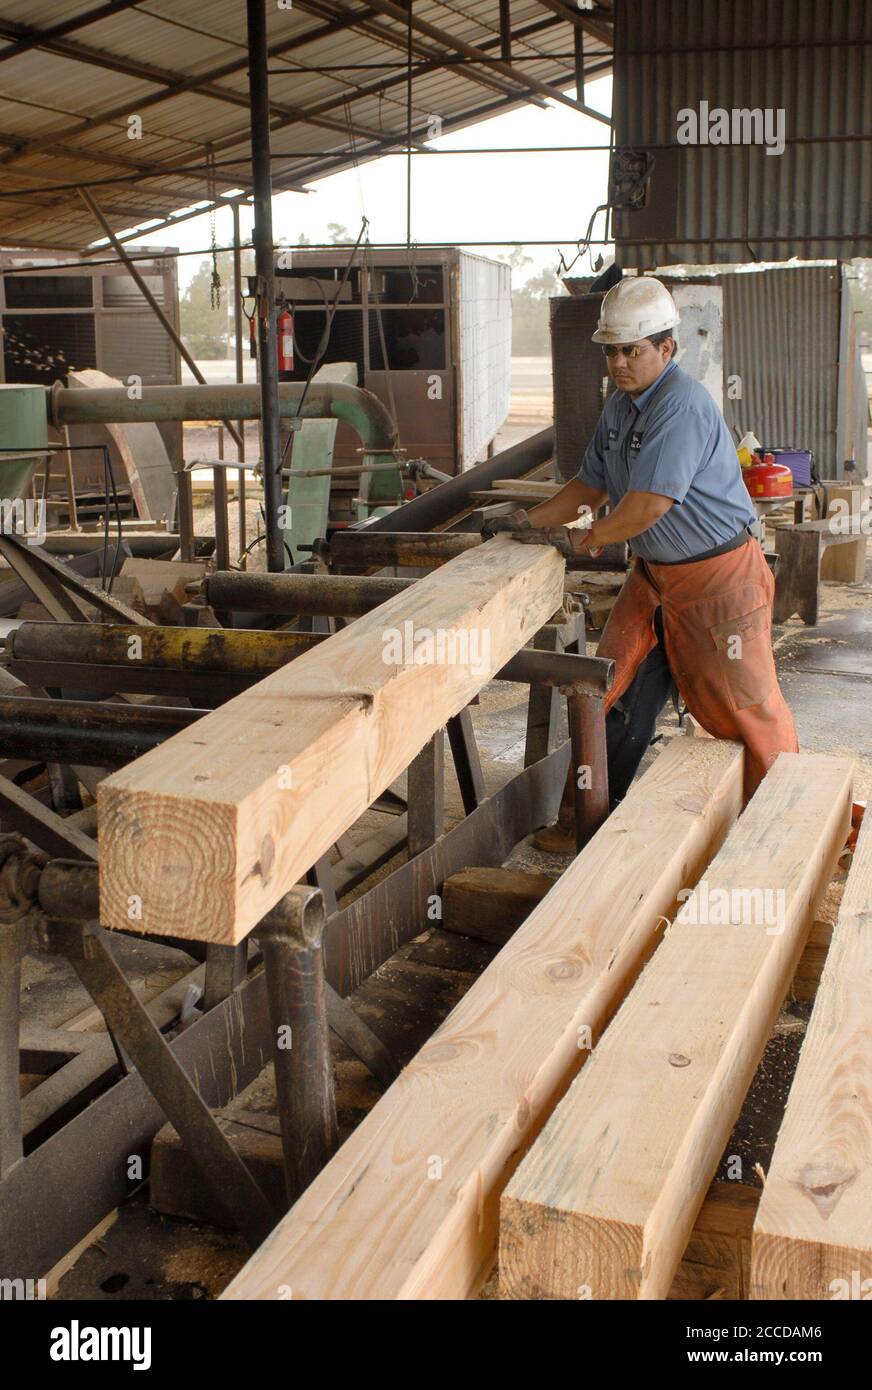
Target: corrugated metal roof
x=69 y=89
x=735 y=202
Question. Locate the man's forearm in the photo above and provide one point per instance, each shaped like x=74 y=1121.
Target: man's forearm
x=635 y=513
x=566 y=505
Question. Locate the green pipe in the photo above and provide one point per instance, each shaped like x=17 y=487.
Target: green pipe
x=92 y=405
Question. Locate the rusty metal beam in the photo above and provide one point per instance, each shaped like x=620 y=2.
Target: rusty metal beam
x=525 y=82
x=174 y=84
x=580 y=20
x=28 y=38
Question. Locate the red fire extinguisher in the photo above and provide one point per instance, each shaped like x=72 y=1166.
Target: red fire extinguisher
x=285 y=330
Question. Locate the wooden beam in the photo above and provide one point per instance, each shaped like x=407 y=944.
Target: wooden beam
x=490 y=904
x=606 y=1199
x=717 y=1261
x=204 y=838
x=813 y=1233
x=408 y=1207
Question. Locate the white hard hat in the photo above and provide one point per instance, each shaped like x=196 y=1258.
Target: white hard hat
x=635 y=308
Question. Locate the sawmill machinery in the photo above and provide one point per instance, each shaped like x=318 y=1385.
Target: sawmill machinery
x=74 y=705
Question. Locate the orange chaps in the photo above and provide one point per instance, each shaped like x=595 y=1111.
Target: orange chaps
x=717 y=617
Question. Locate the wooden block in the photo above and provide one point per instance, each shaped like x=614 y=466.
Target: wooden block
x=204 y=834
x=535 y=490
x=846 y=564
x=491 y=903
x=716 y=1263
x=606 y=1199
x=813 y=1233
x=408 y=1207
x=809 y=969
x=163 y=583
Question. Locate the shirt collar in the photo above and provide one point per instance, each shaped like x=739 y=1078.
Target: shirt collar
x=641 y=401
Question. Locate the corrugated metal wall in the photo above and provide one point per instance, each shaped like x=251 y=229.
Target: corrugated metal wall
x=710 y=203
x=788 y=346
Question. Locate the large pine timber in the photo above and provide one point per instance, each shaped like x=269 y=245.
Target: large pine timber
x=379 y=1222
x=606 y=1199
x=814 y=1224
x=204 y=834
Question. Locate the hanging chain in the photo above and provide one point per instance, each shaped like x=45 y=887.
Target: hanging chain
x=212 y=194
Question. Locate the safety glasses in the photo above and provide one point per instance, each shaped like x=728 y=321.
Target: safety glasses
x=631 y=353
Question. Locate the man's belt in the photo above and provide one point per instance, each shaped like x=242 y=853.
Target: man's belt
x=723 y=549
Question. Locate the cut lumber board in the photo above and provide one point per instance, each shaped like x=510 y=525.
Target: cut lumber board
x=846 y=564
x=717 y=1261
x=813 y=1233
x=379 y=1222
x=807 y=976
x=606 y=1199
x=490 y=904
x=538 y=490
x=203 y=835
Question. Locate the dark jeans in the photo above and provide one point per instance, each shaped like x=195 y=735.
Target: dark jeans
x=630 y=723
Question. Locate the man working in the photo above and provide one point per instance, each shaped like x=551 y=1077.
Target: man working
x=696 y=607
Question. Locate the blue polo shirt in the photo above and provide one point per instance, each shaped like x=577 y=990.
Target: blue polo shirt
x=672 y=439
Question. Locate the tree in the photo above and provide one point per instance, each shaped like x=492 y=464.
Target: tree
x=337 y=233
x=530 y=313
x=208 y=332
x=205 y=330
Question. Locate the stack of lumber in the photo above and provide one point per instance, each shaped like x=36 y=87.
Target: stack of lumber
x=408 y=1208
x=813 y=1233
x=604 y=1203
x=201 y=837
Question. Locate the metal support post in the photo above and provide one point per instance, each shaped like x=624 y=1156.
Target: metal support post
x=467 y=763
x=264 y=265
x=291 y=939
x=239 y=327
x=11 y=1149
x=587 y=736
x=426 y=795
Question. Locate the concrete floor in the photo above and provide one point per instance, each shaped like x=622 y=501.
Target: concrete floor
x=826 y=673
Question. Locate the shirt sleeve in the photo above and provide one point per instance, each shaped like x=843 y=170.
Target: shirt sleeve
x=674 y=445
x=593 y=465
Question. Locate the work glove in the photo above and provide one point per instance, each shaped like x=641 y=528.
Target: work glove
x=515 y=521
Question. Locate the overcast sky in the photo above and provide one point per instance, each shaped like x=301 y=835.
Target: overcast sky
x=516 y=197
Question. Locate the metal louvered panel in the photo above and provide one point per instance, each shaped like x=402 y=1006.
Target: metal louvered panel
x=122 y=292
x=136 y=343
x=734 y=202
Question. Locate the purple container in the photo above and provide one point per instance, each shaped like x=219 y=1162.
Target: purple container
x=799 y=461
